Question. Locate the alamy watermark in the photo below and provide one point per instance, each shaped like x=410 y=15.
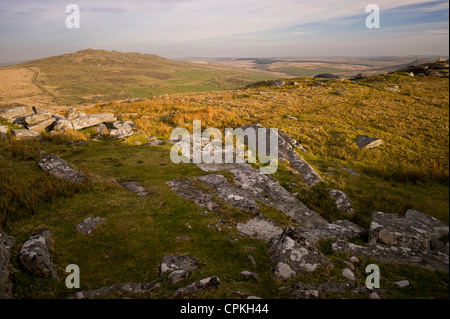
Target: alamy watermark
x=73 y=19
x=207 y=147
x=373 y=19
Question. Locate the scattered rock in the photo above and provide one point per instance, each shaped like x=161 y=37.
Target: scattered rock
x=365 y=141
x=135 y=288
x=74 y=113
x=374 y=295
x=197 y=286
x=277 y=84
x=178 y=275
x=249 y=274
x=176 y=262
x=88 y=225
x=439 y=68
x=6 y=286
x=123 y=129
x=251 y=260
x=134 y=187
x=35 y=255
x=358 y=77
x=348 y=274
x=402 y=283
x=25 y=134
x=354 y=260
x=342 y=201
x=184 y=188
x=293 y=255
x=60 y=169
x=260 y=227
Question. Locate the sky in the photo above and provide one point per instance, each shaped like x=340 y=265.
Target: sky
x=225 y=28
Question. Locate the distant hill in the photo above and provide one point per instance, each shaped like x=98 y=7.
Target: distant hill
x=92 y=76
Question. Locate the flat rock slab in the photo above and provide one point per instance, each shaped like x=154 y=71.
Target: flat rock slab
x=9 y=115
x=261 y=228
x=135 y=288
x=286 y=151
x=364 y=141
x=6 y=286
x=35 y=119
x=233 y=196
x=341 y=229
x=60 y=169
x=35 y=255
x=395 y=255
x=88 y=225
x=21 y=134
x=197 y=286
x=293 y=255
x=134 y=187
x=187 y=190
x=342 y=202
x=79 y=123
x=414 y=231
x=268 y=191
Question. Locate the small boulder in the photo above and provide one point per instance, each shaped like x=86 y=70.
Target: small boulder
x=348 y=274
x=249 y=274
x=177 y=262
x=10 y=114
x=25 y=134
x=293 y=255
x=342 y=201
x=134 y=187
x=88 y=225
x=402 y=283
x=35 y=255
x=60 y=169
x=365 y=141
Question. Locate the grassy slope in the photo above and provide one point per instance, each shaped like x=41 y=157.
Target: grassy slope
x=92 y=76
x=409 y=171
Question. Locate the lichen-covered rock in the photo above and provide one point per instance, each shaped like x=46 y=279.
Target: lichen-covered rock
x=42 y=126
x=178 y=275
x=88 y=225
x=35 y=255
x=235 y=197
x=79 y=123
x=341 y=229
x=122 y=129
x=342 y=201
x=197 y=286
x=395 y=255
x=60 y=169
x=414 y=231
x=10 y=114
x=267 y=190
x=6 y=286
x=74 y=113
x=292 y=255
x=177 y=262
x=21 y=134
x=35 y=119
x=260 y=227
x=135 y=288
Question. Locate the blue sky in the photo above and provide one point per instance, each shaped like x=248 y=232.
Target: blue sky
x=224 y=28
